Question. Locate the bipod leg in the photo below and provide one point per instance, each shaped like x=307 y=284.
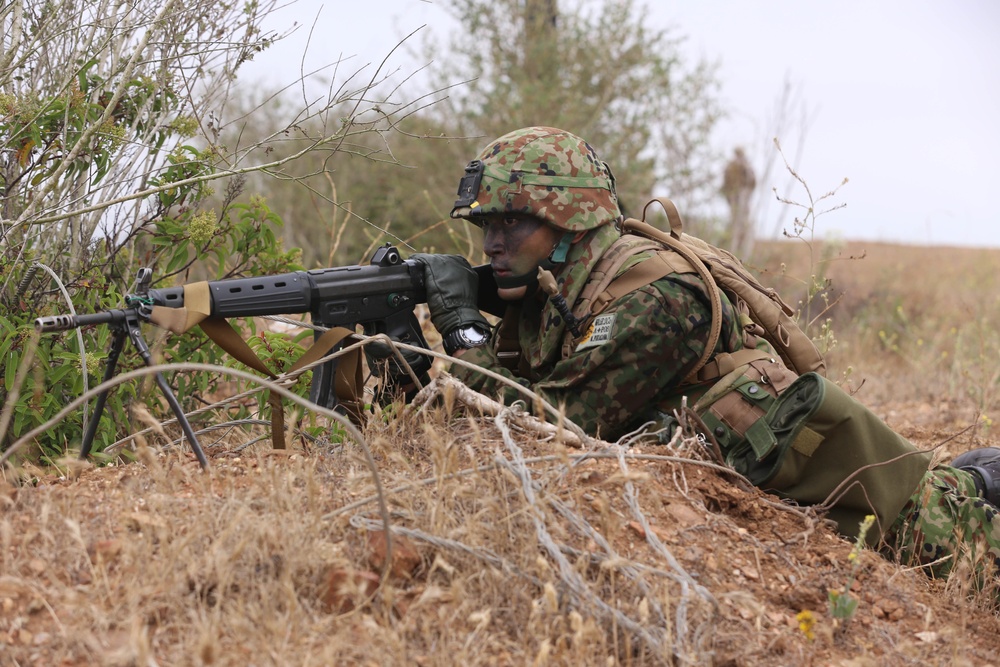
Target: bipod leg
x=117 y=344
x=135 y=335
x=182 y=419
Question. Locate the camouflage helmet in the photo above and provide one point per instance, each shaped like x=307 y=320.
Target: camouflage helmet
x=545 y=172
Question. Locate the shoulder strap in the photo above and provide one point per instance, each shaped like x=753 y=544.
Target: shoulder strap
x=605 y=285
x=607 y=269
x=644 y=229
x=606 y=282
x=663 y=263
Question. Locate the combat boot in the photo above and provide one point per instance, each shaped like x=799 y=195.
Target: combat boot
x=984 y=464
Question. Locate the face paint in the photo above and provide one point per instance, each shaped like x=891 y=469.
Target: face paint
x=516 y=245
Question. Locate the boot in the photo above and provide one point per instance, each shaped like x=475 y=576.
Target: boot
x=984 y=464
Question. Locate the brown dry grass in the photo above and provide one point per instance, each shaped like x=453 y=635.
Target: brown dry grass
x=507 y=550
x=916 y=327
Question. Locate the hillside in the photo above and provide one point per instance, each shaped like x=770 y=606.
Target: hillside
x=509 y=548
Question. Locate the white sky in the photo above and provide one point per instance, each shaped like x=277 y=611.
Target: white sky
x=903 y=96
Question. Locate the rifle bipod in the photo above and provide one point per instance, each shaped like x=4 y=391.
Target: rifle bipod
x=125 y=323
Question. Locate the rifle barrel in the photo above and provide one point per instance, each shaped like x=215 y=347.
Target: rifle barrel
x=67 y=322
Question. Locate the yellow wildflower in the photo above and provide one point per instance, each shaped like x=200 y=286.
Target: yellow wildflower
x=806 y=623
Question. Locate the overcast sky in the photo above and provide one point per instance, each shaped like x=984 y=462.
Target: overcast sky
x=902 y=96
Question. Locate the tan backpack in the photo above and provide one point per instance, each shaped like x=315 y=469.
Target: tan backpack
x=762 y=312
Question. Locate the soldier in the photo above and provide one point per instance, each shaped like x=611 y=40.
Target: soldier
x=548 y=208
x=738 y=183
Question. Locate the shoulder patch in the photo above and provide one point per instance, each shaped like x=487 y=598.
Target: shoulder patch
x=599 y=332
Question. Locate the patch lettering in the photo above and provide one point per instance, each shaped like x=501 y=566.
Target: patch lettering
x=599 y=332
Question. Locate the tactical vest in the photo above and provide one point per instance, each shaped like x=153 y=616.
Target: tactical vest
x=775 y=418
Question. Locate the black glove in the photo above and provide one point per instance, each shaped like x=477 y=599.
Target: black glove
x=395 y=379
x=384 y=363
x=452 y=291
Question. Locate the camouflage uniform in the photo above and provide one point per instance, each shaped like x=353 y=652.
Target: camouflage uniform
x=605 y=389
x=946 y=524
x=657 y=335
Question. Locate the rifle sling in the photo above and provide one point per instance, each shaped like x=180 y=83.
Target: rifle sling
x=223 y=334
x=348 y=380
x=197 y=306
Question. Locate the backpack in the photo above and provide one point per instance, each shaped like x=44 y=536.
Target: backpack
x=762 y=312
x=780 y=423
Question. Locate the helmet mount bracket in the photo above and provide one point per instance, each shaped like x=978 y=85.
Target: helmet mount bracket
x=468 y=187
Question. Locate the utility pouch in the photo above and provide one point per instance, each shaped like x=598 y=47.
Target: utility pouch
x=829 y=448
x=736 y=414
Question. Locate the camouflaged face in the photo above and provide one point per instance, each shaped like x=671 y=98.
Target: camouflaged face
x=548 y=173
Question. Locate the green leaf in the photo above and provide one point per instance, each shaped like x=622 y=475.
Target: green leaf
x=20 y=420
x=178 y=260
x=56 y=375
x=6 y=344
x=10 y=371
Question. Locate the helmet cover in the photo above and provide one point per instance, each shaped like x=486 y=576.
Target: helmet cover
x=542 y=171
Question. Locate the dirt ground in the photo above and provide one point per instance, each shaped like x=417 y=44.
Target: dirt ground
x=508 y=548
x=272 y=559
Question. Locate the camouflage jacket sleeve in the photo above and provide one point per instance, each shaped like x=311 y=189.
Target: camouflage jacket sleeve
x=658 y=335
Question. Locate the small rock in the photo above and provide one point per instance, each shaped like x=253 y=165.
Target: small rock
x=637 y=528
x=684 y=516
x=593 y=477
x=405 y=557
x=106 y=550
x=345 y=588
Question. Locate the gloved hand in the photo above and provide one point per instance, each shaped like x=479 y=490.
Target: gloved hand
x=383 y=362
x=452 y=292
x=395 y=379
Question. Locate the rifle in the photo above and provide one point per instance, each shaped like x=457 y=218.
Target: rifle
x=379 y=296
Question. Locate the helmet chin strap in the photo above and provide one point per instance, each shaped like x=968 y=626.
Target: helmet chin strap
x=530 y=279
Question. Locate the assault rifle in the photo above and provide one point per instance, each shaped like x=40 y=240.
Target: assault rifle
x=380 y=297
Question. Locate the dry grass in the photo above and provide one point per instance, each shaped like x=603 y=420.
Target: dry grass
x=235 y=566
x=914 y=326
x=506 y=549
